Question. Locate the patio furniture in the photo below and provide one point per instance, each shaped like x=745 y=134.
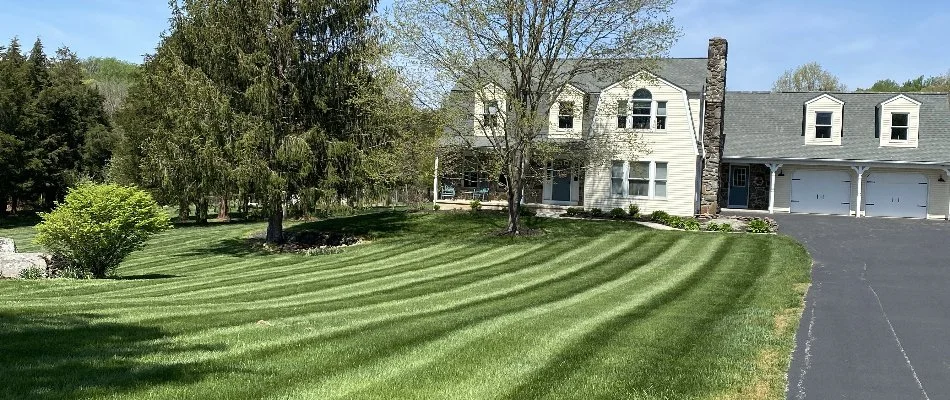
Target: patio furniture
x=448 y=192
x=480 y=194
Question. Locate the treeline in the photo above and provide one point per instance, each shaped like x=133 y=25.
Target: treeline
x=271 y=103
x=937 y=83
x=53 y=128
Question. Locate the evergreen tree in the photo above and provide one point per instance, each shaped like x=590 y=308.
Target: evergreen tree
x=287 y=76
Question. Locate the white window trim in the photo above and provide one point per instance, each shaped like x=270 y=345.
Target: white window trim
x=573 y=116
x=906 y=128
x=651 y=185
x=831 y=127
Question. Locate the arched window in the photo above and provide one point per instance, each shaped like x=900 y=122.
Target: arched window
x=640 y=112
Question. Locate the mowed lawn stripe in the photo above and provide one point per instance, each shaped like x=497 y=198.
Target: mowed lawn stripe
x=586 y=310
x=386 y=373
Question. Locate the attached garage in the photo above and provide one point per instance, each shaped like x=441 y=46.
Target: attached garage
x=821 y=192
x=895 y=194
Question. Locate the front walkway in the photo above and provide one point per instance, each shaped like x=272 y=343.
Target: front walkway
x=877 y=317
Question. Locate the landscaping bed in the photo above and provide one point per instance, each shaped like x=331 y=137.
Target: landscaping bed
x=708 y=223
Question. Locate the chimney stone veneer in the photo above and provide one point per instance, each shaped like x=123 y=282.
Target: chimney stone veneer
x=713 y=138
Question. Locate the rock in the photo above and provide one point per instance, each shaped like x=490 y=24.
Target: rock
x=11 y=264
x=7 y=245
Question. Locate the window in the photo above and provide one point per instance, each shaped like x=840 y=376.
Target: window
x=616 y=178
x=490 y=114
x=642 y=103
x=470 y=179
x=739 y=177
x=565 y=117
x=822 y=125
x=639 y=178
x=659 y=180
x=899 y=126
x=661 y=115
x=622 y=113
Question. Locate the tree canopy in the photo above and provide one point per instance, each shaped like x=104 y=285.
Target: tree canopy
x=267 y=98
x=810 y=77
x=937 y=83
x=53 y=129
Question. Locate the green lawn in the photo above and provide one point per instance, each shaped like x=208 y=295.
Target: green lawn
x=432 y=307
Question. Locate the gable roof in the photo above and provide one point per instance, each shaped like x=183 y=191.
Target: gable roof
x=769 y=125
x=687 y=73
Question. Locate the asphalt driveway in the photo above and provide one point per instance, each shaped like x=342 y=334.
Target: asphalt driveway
x=877 y=317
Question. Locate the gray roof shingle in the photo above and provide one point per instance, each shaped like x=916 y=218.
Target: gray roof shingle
x=769 y=125
x=687 y=73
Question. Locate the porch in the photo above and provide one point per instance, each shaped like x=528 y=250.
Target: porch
x=556 y=184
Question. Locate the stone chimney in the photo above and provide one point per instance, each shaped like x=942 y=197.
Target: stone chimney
x=714 y=98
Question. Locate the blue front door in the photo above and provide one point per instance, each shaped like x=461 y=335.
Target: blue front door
x=561 y=187
x=739 y=186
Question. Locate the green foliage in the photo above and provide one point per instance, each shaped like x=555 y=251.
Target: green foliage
x=99 y=225
x=810 y=77
x=759 y=225
x=53 y=130
x=32 y=273
x=659 y=216
x=714 y=227
x=475 y=205
x=937 y=83
x=633 y=210
x=112 y=78
x=618 y=213
x=574 y=212
x=435 y=207
x=596 y=213
x=525 y=211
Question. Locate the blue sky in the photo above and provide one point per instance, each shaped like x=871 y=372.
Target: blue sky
x=860 y=41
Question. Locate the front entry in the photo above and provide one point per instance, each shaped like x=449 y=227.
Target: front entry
x=739 y=186
x=561 y=187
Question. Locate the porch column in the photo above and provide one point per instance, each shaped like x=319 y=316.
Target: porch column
x=773 y=167
x=435 y=181
x=859 y=169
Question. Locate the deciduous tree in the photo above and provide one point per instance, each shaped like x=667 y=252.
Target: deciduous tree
x=810 y=77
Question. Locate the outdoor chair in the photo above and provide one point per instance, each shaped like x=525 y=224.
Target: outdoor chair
x=448 y=192
x=480 y=194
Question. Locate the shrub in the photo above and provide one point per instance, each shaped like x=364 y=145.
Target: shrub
x=435 y=207
x=596 y=213
x=574 y=212
x=661 y=217
x=634 y=210
x=714 y=227
x=758 y=225
x=618 y=213
x=98 y=226
x=32 y=273
x=690 y=224
x=475 y=205
x=525 y=211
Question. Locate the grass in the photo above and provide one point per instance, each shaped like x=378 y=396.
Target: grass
x=431 y=307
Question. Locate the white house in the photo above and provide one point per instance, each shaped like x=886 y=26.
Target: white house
x=859 y=154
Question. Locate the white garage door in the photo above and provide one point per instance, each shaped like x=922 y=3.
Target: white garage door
x=821 y=192
x=896 y=195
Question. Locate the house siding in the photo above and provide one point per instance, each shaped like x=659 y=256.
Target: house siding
x=675 y=145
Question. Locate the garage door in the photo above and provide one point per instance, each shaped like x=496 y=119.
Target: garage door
x=821 y=192
x=896 y=195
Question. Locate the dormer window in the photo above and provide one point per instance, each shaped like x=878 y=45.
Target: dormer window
x=490 y=113
x=899 y=126
x=642 y=105
x=565 y=118
x=822 y=125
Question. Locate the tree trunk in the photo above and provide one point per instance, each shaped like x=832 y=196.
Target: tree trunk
x=3 y=204
x=223 y=209
x=515 y=192
x=275 y=224
x=183 y=211
x=201 y=211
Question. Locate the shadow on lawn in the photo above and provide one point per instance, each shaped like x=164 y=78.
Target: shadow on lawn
x=146 y=277
x=70 y=356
